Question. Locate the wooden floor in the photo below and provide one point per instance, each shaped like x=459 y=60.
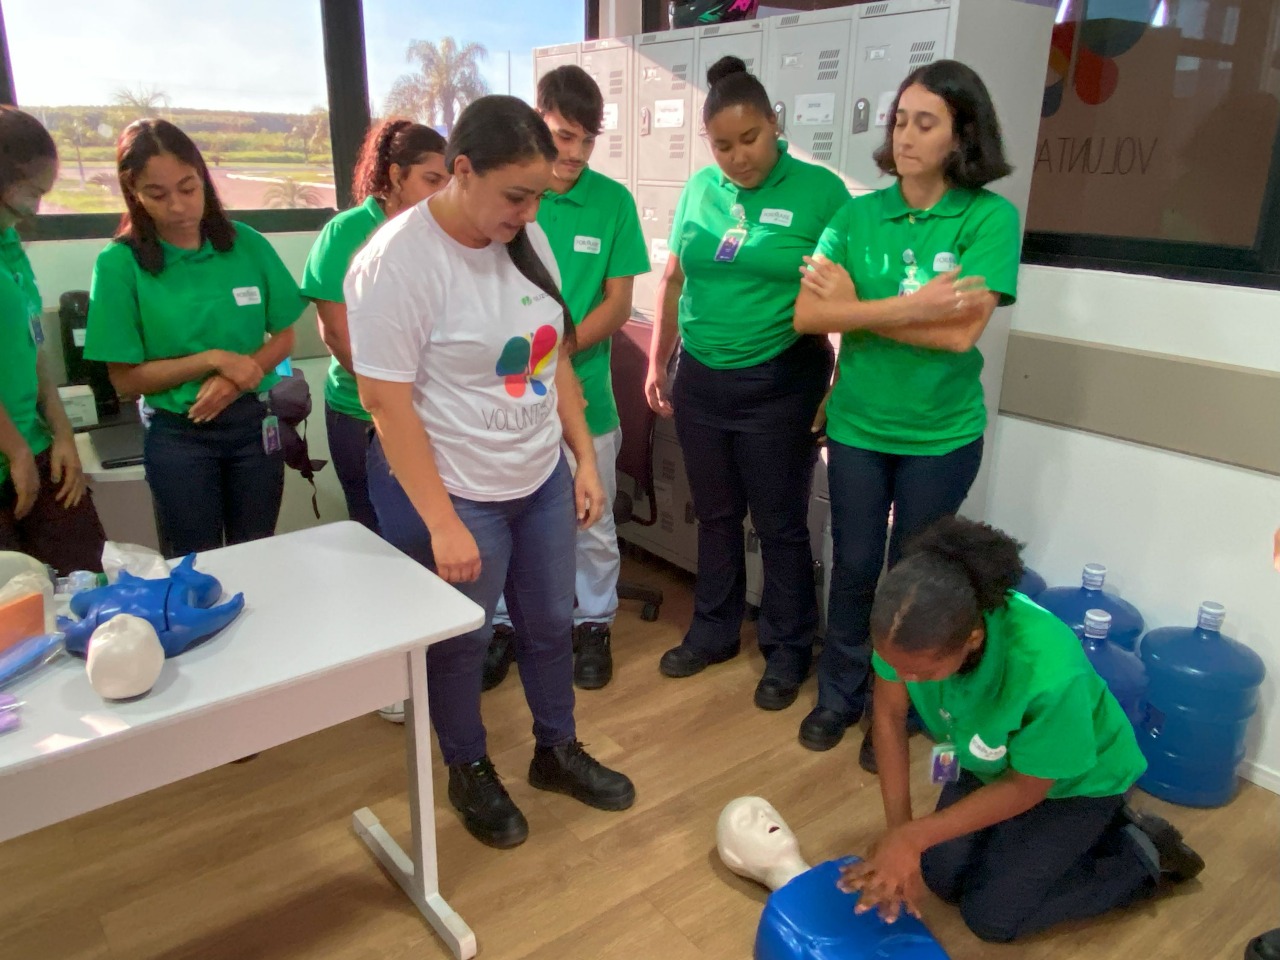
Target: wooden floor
x=258 y=860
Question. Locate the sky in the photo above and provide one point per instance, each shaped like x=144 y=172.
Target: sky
x=263 y=55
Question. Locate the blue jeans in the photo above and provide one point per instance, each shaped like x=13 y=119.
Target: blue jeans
x=526 y=550
x=212 y=483
x=349 y=448
x=865 y=485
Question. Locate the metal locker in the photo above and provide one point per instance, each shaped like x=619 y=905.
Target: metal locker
x=609 y=64
x=892 y=41
x=807 y=77
x=745 y=40
x=664 y=105
x=656 y=205
x=677 y=528
x=546 y=59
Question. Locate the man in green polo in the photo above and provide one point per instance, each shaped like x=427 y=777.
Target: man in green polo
x=594 y=231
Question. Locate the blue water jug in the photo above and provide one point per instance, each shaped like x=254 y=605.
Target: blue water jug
x=1031 y=585
x=1202 y=690
x=1123 y=672
x=1069 y=604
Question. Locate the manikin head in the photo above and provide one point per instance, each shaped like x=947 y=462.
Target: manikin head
x=755 y=842
x=125 y=658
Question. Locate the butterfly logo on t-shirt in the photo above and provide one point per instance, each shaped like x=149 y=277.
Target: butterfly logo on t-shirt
x=524 y=358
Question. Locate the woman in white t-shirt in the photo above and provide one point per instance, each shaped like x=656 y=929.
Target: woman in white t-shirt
x=458 y=335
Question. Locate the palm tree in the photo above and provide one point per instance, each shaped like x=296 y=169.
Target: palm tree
x=447 y=79
x=289 y=193
x=141 y=101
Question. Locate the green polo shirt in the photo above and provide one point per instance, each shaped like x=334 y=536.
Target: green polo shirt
x=20 y=305
x=594 y=232
x=338 y=243
x=900 y=399
x=739 y=314
x=1033 y=703
x=201 y=300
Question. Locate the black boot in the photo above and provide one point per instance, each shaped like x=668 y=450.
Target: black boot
x=488 y=811
x=822 y=729
x=593 y=658
x=568 y=768
x=501 y=654
x=1178 y=862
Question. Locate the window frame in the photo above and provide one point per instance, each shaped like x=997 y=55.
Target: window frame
x=347 y=80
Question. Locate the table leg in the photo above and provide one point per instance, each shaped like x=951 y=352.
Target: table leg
x=417 y=876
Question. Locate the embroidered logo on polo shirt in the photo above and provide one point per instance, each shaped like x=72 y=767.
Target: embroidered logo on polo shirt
x=983 y=752
x=524 y=358
x=586 y=244
x=779 y=218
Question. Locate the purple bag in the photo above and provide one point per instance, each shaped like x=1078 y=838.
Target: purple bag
x=290 y=401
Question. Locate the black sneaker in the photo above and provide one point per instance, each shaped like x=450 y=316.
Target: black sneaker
x=568 y=768
x=488 y=811
x=501 y=654
x=1178 y=862
x=593 y=658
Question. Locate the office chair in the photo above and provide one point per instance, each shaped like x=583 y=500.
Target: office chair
x=630 y=364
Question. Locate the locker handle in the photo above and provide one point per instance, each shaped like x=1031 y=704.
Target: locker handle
x=689 y=516
x=645 y=121
x=780 y=111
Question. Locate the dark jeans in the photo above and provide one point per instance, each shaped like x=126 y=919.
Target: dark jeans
x=1061 y=860
x=864 y=486
x=747 y=445
x=65 y=538
x=349 y=447
x=526 y=551
x=213 y=484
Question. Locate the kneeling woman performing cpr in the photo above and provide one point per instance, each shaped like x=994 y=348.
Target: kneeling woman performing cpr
x=1034 y=754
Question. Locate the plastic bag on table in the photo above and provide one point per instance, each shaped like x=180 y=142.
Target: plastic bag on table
x=132 y=558
x=25 y=658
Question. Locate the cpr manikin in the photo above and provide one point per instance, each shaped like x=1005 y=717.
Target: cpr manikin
x=807 y=917
x=125 y=658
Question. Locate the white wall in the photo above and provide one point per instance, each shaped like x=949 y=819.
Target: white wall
x=68 y=265
x=1173 y=529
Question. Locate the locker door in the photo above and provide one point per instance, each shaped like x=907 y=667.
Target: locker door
x=546 y=59
x=887 y=49
x=808 y=58
x=609 y=64
x=745 y=40
x=656 y=204
x=664 y=106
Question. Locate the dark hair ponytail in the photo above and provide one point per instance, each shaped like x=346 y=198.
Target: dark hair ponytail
x=497 y=131
x=949 y=577
x=730 y=84
x=393 y=141
x=24 y=144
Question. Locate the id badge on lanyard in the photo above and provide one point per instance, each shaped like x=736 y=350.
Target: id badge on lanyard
x=734 y=237
x=944 y=761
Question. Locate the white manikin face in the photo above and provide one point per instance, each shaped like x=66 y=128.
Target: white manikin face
x=125 y=658
x=753 y=839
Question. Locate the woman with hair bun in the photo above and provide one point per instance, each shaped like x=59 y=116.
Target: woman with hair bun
x=1034 y=754
x=749 y=385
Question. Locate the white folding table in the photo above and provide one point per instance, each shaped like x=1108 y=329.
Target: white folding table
x=336 y=624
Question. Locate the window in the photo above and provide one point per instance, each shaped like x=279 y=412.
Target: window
x=427 y=62
x=1157 y=133
x=254 y=99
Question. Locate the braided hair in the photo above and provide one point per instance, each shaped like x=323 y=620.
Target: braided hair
x=393 y=141
x=950 y=576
